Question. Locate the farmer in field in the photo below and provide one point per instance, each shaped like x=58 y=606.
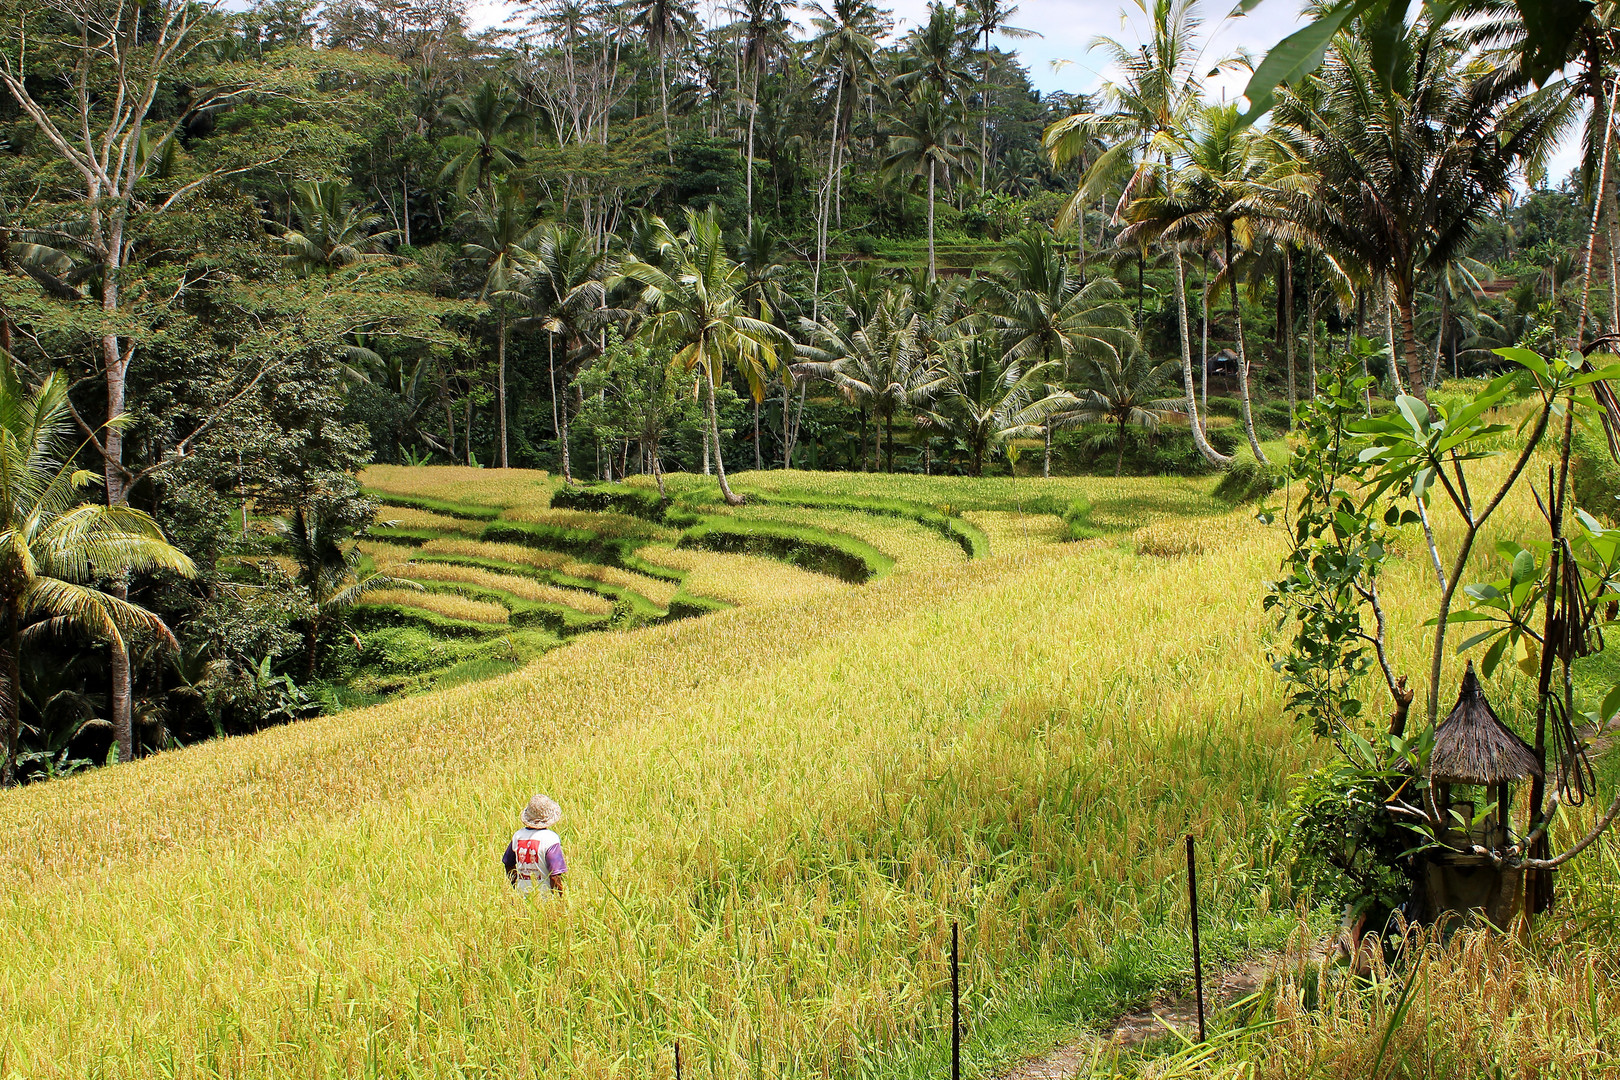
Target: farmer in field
x=534 y=858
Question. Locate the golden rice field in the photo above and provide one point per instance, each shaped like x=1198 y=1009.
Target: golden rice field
x=910 y=544
x=658 y=590
x=741 y=580
x=449 y=605
x=524 y=588
x=773 y=815
x=455 y=483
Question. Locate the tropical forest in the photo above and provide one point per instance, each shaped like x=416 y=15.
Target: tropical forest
x=929 y=566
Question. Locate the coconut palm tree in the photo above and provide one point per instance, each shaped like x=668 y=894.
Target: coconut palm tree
x=502 y=245
x=1209 y=199
x=483 y=147
x=565 y=283
x=695 y=304
x=888 y=364
x=55 y=545
x=765 y=293
x=1403 y=168
x=928 y=142
x=1158 y=91
x=990 y=398
x=765 y=36
x=336 y=228
x=846 y=45
x=664 y=23
x=1129 y=391
x=1039 y=310
x=933 y=58
x=986 y=17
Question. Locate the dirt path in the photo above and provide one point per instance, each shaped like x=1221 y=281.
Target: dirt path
x=1070 y=1059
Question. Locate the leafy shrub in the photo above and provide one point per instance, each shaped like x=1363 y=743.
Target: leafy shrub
x=842 y=557
x=1596 y=476
x=1248 y=480
x=1077 y=518
x=618 y=498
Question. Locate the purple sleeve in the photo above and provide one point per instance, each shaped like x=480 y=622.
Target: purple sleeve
x=554 y=860
x=509 y=860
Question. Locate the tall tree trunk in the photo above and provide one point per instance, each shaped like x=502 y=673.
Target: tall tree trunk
x=1310 y=304
x=714 y=430
x=759 y=457
x=562 y=415
x=663 y=86
x=1046 y=451
x=116 y=362
x=1286 y=321
x=1414 y=365
x=467 y=427
x=500 y=381
x=753 y=115
x=1211 y=455
x=930 y=219
x=1119 y=459
x=13 y=694
x=888 y=441
x=1396 y=353
x=984 y=119
x=1440 y=335
x=1243 y=355
x=1203 y=318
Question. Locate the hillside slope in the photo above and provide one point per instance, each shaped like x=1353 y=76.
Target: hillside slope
x=773 y=813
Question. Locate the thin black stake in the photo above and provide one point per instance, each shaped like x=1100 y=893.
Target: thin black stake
x=1198 y=960
x=677 y=1059
x=956 y=1010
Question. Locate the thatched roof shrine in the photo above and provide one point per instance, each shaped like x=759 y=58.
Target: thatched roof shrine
x=1472 y=746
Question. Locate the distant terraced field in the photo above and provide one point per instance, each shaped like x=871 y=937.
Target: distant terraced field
x=495 y=567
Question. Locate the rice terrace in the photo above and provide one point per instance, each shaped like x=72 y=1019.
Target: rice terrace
x=646 y=541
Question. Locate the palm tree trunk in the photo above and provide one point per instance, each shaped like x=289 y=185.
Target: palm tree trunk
x=1203 y=319
x=1396 y=353
x=500 y=381
x=1440 y=335
x=714 y=431
x=1288 y=329
x=1243 y=355
x=759 y=459
x=1119 y=459
x=888 y=441
x=1211 y=455
x=567 y=464
x=753 y=115
x=1310 y=304
x=551 y=371
x=984 y=119
x=13 y=702
x=930 y=219
x=1046 y=452
x=663 y=86
x=1414 y=364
